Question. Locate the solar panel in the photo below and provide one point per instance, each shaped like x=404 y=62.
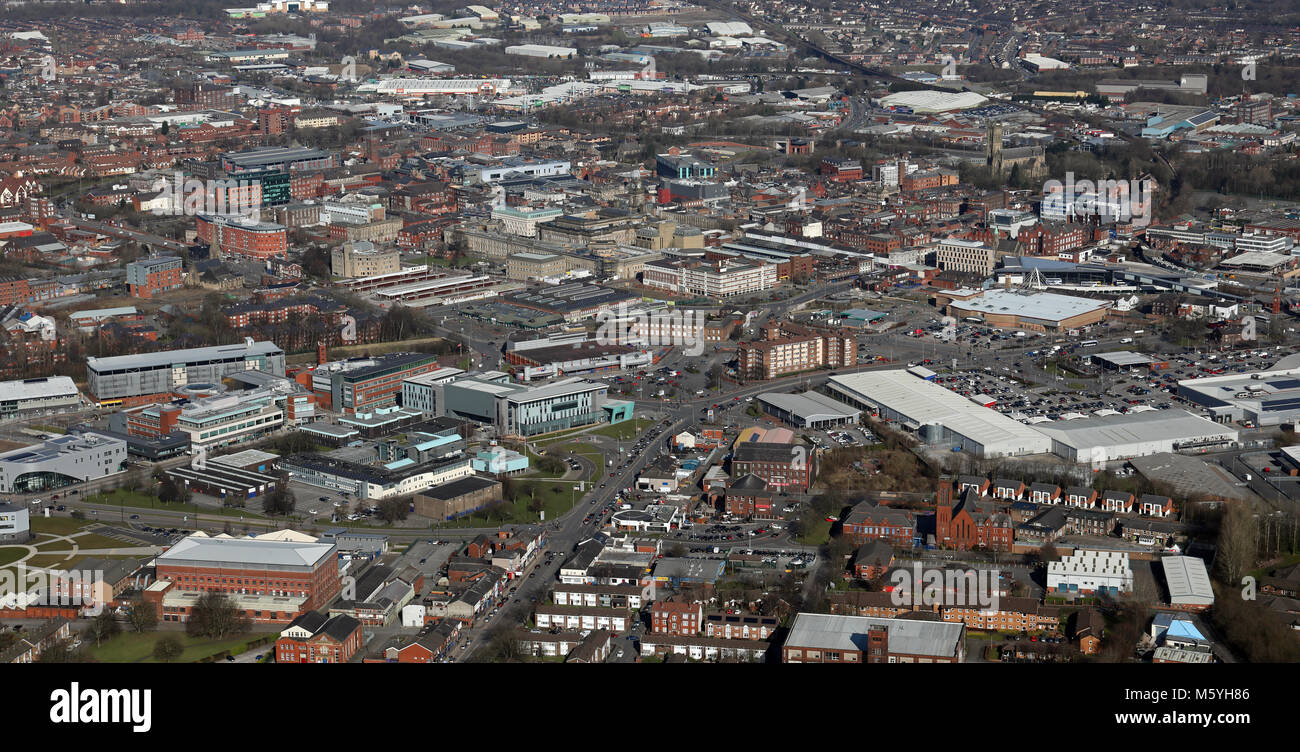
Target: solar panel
x=1291 y=403
x=1285 y=384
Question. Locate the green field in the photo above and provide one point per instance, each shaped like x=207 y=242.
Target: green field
x=818 y=533
x=137 y=647
x=136 y=500
x=59 y=525
x=10 y=554
x=581 y=449
x=628 y=430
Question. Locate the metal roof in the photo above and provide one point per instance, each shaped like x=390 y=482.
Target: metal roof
x=834 y=632
x=246 y=552
x=1187 y=580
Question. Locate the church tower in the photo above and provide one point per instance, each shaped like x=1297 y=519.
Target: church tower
x=993 y=145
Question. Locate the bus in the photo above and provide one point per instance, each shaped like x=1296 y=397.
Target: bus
x=1088 y=343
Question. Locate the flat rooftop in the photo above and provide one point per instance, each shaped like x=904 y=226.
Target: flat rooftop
x=1135 y=428
x=201 y=551
x=925 y=402
x=189 y=357
x=1033 y=306
x=834 y=632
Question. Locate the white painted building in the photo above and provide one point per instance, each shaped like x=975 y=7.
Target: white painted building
x=1091 y=573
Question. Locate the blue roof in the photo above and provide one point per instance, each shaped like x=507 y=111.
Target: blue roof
x=437 y=441
x=1186 y=629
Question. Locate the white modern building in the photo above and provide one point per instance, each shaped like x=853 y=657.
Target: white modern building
x=15 y=524
x=1091 y=573
x=418 y=391
x=61 y=461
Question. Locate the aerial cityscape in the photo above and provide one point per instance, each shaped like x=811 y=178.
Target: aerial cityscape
x=649 y=331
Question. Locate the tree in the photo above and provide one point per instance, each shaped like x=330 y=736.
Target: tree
x=1238 y=542
x=280 y=501
x=61 y=651
x=215 y=617
x=393 y=510
x=104 y=627
x=168 y=491
x=142 y=617
x=168 y=648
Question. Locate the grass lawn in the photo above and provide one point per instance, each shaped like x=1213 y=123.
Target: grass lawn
x=134 y=499
x=59 y=525
x=582 y=450
x=819 y=533
x=10 y=554
x=628 y=430
x=625 y=431
x=557 y=498
x=136 y=647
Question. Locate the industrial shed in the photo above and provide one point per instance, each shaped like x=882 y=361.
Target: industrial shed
x=938 y=415
x=1188 y=582
x=1117 y=437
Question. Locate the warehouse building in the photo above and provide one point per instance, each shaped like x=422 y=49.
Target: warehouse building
x=1188 y=582
x=1119 y=437
x=128 y=380
x=808 y=410
x=1267 y=398
x=1033 y=311
x=937 y=415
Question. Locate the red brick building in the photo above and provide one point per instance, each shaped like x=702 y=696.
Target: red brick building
x=970 y=524
x=868 y=521
x=259 y=240
x=784 y=467
x=675 y=616
x=271 y=581
x=315 y=638
x=149 y=276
